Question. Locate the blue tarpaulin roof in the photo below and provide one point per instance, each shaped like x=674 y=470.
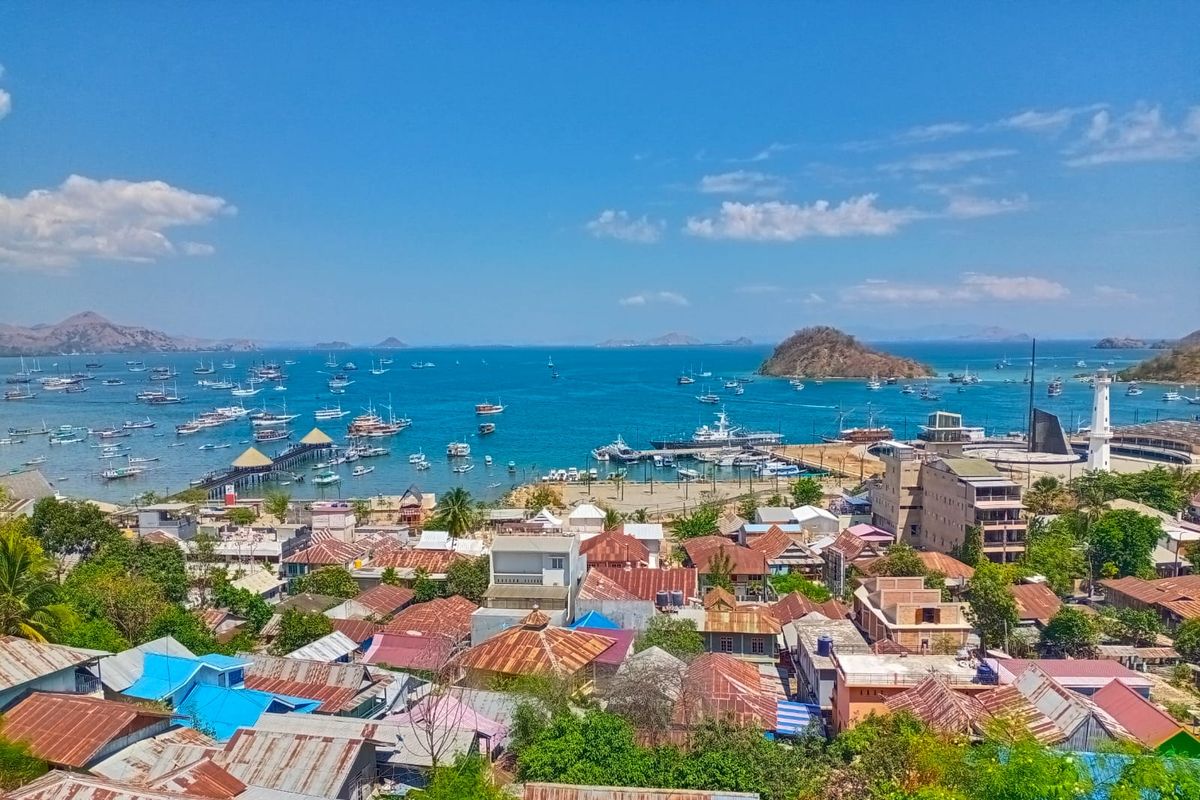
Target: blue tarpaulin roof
x=791 y=718
x=594 y=619
x=220 y=711
x=164 y=675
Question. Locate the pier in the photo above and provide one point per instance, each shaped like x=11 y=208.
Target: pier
x=253 y=467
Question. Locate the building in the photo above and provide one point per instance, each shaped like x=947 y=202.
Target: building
x=662 y=586
x=1101 y=430
x=23 y=489
x=535 y=571
x=1175 y=600
x=846 y=551
x=960 y=493
x=747 y=568
x=334 y=519
x=442 y=616
x=817 y=521
x=865 y=682
x=175 y=519
x=124 y=668
x=1085 y=726
x=378 y=602
x=786 y=553
x=1036 y=603
x=745 y=632
x=344 y=690
x=324 y=553
x=902 y=610
x=1175 y=441
x=586 y=518
x=939 y=705
x=614 y=548
x=332 y=648
x=601 y=594
x=1147 y=723
x=1084 y=676
x=169 y=678
x=717 y=686
x=811 y=641
x=774 y=515
x=896 y=497
x=650 y=534
x=39 y=666
x=301 y=763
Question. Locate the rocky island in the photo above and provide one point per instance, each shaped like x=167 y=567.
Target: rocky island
x=334 y=345
x=1120 y=343
x=391 y=343
x=827 y=352
x=88 y=332
x=1180 y=364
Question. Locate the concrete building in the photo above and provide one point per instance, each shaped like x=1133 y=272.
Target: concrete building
x=175 y=519
x=904 y=611
x=896 y=498
x=865 y=682
x=811 y=642
x=958 y=493
x=531 y=570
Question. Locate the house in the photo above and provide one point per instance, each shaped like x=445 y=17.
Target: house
x=586 y=517
x=1146 y=722
x=602 y=595
x=650 y=534
x=321 y=766
x=133 y=764
x=608 y=663
x=308 y=603
x=1085 y=725
x=442 y=616
x=39 y=666
x=563 y=791
x=961 y=493
x=23 y=489
x=333 y=520
x=222 y=710
x=1036 y=603
x=407 y=562
x=74 y=731
x=350 y=690
x=904 y=611
x=202 y=776
x=1175 y=599
x=379 y=602
x=785 y=554
x=817 y=521
x=324 y=553
x=864 y=682
x=745 y=567
x=177 y=520
x=614 y=549
x=957 y=573
x=1084 y=676
x=542 y=571
x=122 y=669
x=720 y=687
x=414 y=507
x=411 y=651
x=663 y=586
x=332 y=648
x=357 y=630
x=846 y=551
x=795 y=605
x=811 y=641
x=261 y=582
x=746 y=632
x=535 y=648
x=943 y=708
x=445 y=714
x=774 y=515
x=169 y=678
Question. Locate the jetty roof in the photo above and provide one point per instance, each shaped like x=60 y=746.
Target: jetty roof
x=316 y=436
x=252 y=458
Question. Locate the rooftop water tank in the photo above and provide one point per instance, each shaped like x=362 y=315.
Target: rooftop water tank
x=825 y=645
x=661 y=599
x=676 y=597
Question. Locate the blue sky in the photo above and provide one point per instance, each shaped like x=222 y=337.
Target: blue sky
x=537 y=172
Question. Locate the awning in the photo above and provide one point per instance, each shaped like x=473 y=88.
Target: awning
x=791 y=719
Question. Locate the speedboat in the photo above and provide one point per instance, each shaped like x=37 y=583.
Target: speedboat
x=688 y=474
x=1171 y=397
x=1133 y=390
x=487 y=461
x=512 y=467
x=461 y=468
x=873 y=384
x=112 y=382
x=326 y=478
x=361 y=470
x=731 y=384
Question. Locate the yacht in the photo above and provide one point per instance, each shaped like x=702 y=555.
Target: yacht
x=741 y=390
x=1054 y=388
x=339 y=382
x=378 y=369
x=229 y=364
x=458 y=450
x=112 y=382
x=720 y=435
x=873 y=384
x=349 y=366
x=1133 y=390
x=423 y=465
x=550 y=363
x=688 y=474
x=423 y=365
x=361 y=470
x=487 y=461
x=869 y=435
x=335 y=412
x=684 y=380
x=117 y=473
x=363 y=451
x=486 y=427
x=461 y=468
x=1171 y=397
x=908 y=389
x=489 y=408
x=416 y=458
x=709 y=398
x=271 y=434
x=238 y=391
x=203 y=370
x=326 y=478
x=135 y=366
x=617 y=451
x=331 y=362
x=731 y=384
x=372 y=426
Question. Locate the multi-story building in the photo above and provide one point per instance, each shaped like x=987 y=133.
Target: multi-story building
x=960 y=493
x=904 y=611
x=175 y=519
x=896 y=498
x=535 y=571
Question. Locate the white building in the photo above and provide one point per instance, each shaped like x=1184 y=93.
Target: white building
x=817 y=521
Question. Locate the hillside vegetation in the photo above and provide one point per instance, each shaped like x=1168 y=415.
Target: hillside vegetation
x=827 y=352
x=1180 y=364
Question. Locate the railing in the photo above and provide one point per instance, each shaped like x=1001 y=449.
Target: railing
x=86 y=684
x=368 y=708
x=912 y=679
x=517 y=579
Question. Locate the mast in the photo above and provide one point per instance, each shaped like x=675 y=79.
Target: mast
x=1030 y=434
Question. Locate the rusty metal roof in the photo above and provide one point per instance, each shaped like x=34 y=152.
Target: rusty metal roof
x=70 y=729
x=1157 y=591
x=793 y=606
x=337 y=686
x=22 y=661
x=435 y=562
x=1035 y=601
x=646 y=582
x=200 y=779
x=528 y=650
x=947 y=565
x=134 y=763
x=1067 y=709
x=719 y=598
x=614 y=547
x=743 y=561
x=598 y=586
x=327 y=553
x=448 y=616
x=745 y=619
x=938 y=705
x=563 y=791
x=58 y=785
x=385 y=599
x=720 y=686
x=357 y=630
x=771 y=544
x=1148 y=723
x=291 y=762
x=1007 y=703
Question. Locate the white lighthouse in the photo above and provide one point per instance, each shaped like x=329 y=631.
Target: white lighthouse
x=1098 y=457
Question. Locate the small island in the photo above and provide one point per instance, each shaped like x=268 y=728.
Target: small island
x=1180 y=364
x=740 y=341
x=1120 y=343
x=391 y=343
x=823 y=351
x=334 y=345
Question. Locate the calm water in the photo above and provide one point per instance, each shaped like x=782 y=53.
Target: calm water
x=548 y=424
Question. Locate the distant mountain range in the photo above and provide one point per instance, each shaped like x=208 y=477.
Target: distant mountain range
x=91 y=333
x=334 y=345
x=1130 y=343
x=672 y=340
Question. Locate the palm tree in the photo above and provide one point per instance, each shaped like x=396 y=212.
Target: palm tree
x=639 y=515
x=612 y=519
x=276 y=503
x=456 y=512
x=27 y=598
x=1047 y=495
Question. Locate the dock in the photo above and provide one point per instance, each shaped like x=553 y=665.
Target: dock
x=253 y=467
x=845 y=460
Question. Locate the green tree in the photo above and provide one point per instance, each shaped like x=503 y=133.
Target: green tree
x=901 y=560
x=1131 y=626
x=1187 y=640
x=807 y=491
x=1157 y=777
x=677 y=636
x=245 y=604
x=277 y=503
x=639 y=515
x=334 y=581
x=612 y=519
x=95 y=634
x=747 y=507
x=1053 y=551
x=788 y=582
x=543 y=496
x=971 y=549
x=424 y=588
x=469 y=577
x=29 y=607
x=71 y=527
x=701 y=522
x=298 y=628
x=468 y=778
x=148 y=498
x=389 y=576
x=18 y=766
x=1071 y=633
x=1047 y=495
x=241 y=515
x=1126 y=540
x=456 y=512
x=993 y=609
x=720 y=570
x=104 y=590
x=194 y=495
x=186 y=628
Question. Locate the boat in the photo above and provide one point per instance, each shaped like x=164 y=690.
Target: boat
x=187 y=428
x=741 y=390
x=1054 y=388
x=512 y=467
x=1133 y=390
x=271 y=434
x=377 y=369
x=458 y=450
x=704 y=373
x=891 y=380
x=361 y=470
x=326 y=478
x=339 y=382
x=423 y=465
x=873 y=384
x=730 y=385
x=229 y=364
x=203 y=370
x=487 y=461
x=112 y=382
x=33 y=462
x=371 y=452
x=416 y=458
x=486 y=427
x=868 y=435
x=489 y=408
x=554 y=374
x=135 y=366
x=461 y=468
x=116 y=473
x=1171 y=397
x=75 y=388
x=42 y=431
x=908 y=389
x=372 y=426
x=688 y=474
x=281 y=388
x=709 y=398
x=720 y=435
x=1081 y=364
x=142 y=460
x=110 y=433
x=238 y=391
x=684 y=380
x=349 y=366
x=778 y=468
x=382 y=360
x=19 y=394
x=327 y=412
x=214 y=446
x=331 y=362
x=617 y=451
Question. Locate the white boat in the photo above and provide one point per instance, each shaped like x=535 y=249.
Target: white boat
x=33 y=462
x=19 y=394
x=361 y=470
x=1171 y=397
x=1133 y=390
x=908 y=389
x=458 y=450
x=130 y=425
x=112 y=382
x=331 y=362
x=873 y=383
x=487 y=460
x=203 y=370
x=741 y=390
x=238 y=391
x=281 y=388
x=271 y=434
x=1081 y=364
x=709 y=398
x=377 y=369
x=461 y=468
x=617 y=451
x=140 y=460
x=327 y=412
x=688 y=474
x=121 y=472
x=416 y=458
x=229 y=364
x=731 y=384
x=684 y=380
x=326 y=478
x=720 y=435
x=489 y=408
x=423 y=465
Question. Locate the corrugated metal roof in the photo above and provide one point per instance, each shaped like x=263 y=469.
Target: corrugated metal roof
x=385 y=599
x=722 y=687
x=327 y=553
x=937 y=704
x=410 y=651
x=201 y=779
x=133 y=764
x=947 y=565
x=435 y=562
x=1067 y=709
x=563 y=791
x=121 y=670
x=1035 y=601
x=291 y=762
x=222 y=710
x=746 y=619
x=358 y=630
x=743 y=561
x=646 y=582
x=22 y=661
x=525 y=650
x=58 y=785
x=771 y=544
x=449 y=616
x=1148 y=723
x=614 y=547
x=70 y=729
x=597 y=586
x=1007 y=702
x=330 y=647
x=793 y=606
x=719 y=598
x=338 y=687
x=258 y=581
x=308 y=603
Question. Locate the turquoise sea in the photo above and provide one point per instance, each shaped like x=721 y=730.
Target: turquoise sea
x=549 y=423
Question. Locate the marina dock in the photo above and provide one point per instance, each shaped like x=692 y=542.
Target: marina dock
x=254 y=467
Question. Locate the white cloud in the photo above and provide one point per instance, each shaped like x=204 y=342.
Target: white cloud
x=614 y=224
x=942 y=162
x=5 y=103
x=768 y=152
x=661 y=298
x=971 y=286
x=110 y=220
x=935 y=132
x=1049 y=122
x=742 y=182
x=197 y=249
x=1143 y=134
x=758 y=288
x=1114 y=294
x=786 y=222
x=967 y=206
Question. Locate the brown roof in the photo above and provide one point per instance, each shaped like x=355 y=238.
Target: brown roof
x=326 y=553
x=356 y=630
x=1148 y=723
x=849 y=545
x=22 y=660
x=947 y=565
x=1035 y=601
x=794 y=605
x=702 y=550
x=598 y=586
x=888 y=647
x=70 y=729
x=562 y=791
x=721 y=686
x=435 y=562
x=200 y=779
x=1160 y=591
x=719 y=598
x=746 y=619
x=935 y=703
x=337 y=686
x=1007 y=703
x=385 y=599
x=614 y=547
x=647 y=582
x=536 y=649
x=59 y=785
x=771 y=544
x=448 y=616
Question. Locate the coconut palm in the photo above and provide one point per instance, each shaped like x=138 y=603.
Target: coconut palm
x=27 y=596
x=456 y=512
x=612 y=519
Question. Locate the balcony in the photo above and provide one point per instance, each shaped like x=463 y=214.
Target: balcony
x=517 y=579
x=86 y=683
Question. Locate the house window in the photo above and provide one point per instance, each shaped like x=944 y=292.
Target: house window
x=726 y=644
x=929 y=615
x=758 y=647
x=557 y=562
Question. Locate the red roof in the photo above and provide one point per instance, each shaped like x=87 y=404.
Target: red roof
x=326 y=553
x=448 y=616
x=1148 y=723
x=647 y=582
x=743 y=561
x=385 y=599
x=356 y=630
x=1067 y=668
x=598 y=586
x=1035 y=601
x=771 y=544
x=337 y=686
x=614 y=656
x=614 y=547
x=947 y=565
x=72 y=729
x=720 y=686
x=409 y=651
x=435 y=562
x=795 y=605
x=201 y=779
